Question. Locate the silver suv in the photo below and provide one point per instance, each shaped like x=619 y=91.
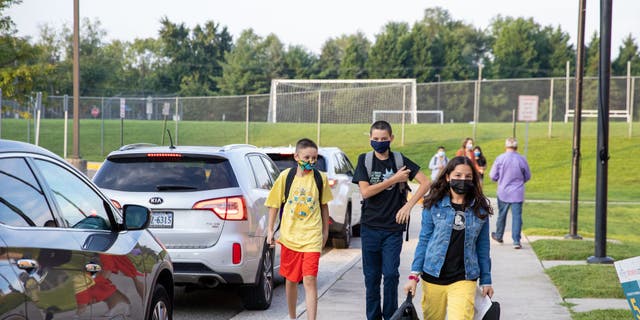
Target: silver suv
x=344 y=215
x=207 y=208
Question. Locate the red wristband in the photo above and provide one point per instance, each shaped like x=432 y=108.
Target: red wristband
x=414 y=278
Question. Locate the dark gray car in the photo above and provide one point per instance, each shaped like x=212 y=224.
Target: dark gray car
x=66 y=252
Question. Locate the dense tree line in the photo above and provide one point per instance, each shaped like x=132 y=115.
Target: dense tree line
x=205 y=60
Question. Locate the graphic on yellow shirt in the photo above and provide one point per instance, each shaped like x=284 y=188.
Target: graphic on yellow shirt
x=301 y=205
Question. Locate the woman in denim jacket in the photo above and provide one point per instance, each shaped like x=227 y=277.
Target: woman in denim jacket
x=453 y=247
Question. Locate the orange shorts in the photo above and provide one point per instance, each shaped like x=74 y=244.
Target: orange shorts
x=295 y=265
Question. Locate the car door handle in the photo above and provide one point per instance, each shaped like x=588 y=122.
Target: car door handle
x=93 y=268
x=27 y=264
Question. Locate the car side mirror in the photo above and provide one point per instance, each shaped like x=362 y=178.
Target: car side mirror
x=136 y=217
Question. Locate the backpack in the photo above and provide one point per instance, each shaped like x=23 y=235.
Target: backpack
x=287 y=188
x=402 y=187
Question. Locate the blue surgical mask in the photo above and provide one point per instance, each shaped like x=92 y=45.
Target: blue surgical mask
x=440 y=153
x=306 y=165
x=477 y=153
x=380 y=146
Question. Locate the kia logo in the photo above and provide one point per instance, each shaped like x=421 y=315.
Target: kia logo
x=156 y=200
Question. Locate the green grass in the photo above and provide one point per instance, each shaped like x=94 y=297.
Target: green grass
x=586 y=281
x=549 y=158
x=608 y=314
x=581 y=249
x=552 y=219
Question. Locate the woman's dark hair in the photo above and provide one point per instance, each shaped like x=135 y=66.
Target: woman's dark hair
x=464 y=142
x=441 y=188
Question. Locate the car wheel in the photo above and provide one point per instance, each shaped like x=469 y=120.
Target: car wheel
x=258 y=296
x=343 y=238
x=161 y=308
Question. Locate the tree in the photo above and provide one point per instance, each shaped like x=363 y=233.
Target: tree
x=592 y=56
x=628 y=52
x=245 y=69
x=193 y=56
x=356 y=53
x=299 y=63
x=514 y=47
x=331 y=56
x=6 y=23
x=390 y=54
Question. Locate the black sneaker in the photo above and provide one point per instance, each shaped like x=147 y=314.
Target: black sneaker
x=494 y=237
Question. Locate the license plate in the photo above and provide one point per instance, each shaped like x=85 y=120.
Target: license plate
x=161 y=220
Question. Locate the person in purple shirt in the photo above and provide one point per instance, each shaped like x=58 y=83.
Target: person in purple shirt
x=511 y=171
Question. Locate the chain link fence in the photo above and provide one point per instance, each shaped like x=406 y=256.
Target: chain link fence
x=458 y=101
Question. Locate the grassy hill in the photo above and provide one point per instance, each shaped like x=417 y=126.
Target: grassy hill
x=549 y=158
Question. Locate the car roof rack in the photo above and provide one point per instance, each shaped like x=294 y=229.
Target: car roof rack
x=137 y=146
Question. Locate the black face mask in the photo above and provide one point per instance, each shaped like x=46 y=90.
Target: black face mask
x=461 y=186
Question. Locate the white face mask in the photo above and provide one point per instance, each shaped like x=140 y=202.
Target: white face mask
x=469 y=146
x=440 y=154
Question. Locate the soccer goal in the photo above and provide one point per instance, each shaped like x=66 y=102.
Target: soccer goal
x=340 y=100
x=422 y=116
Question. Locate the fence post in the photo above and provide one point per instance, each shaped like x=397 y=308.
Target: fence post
x=102 y=126
x=319 y=115
x=566 y=93
x=550 y=107
x=404 y=108
x=177 y=119
x=65 y=103
x=633 y=89
x=246 y=125
x=628 y=100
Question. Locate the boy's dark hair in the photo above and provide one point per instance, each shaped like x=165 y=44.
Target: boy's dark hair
x=381 y=125
x=441 y=147
x=305 y=143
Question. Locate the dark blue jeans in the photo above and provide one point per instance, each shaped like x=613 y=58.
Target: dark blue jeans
x=381 y=258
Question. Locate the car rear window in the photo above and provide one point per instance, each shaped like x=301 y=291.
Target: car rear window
x=179 y=174
x=284 y=161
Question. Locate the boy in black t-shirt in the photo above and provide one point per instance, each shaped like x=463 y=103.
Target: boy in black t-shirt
x=385 y=210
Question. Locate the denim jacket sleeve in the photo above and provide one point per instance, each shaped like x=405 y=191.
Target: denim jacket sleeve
x=426 y=231
x=484 y=258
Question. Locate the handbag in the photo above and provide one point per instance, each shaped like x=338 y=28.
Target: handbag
x=485 y=308
x=406 y=311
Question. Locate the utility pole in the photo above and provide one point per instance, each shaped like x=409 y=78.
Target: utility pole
x=75 y=157
x=577 y=124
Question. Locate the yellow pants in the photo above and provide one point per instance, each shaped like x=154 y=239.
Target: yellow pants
x=454 y=301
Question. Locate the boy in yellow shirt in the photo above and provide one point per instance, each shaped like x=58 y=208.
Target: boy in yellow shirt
x=304 y=226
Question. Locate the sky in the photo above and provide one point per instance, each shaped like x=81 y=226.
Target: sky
x=311 y=23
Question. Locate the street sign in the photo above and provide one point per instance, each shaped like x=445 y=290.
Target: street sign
x=528 y=108
x=122 y=108
x=166 y=107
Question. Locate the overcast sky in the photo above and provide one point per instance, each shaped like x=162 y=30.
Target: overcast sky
x=311 y=23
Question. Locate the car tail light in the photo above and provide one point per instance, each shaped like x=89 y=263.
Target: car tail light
x=236 y=255
x=164 y=155
x=116 y=204
x=231 y=208
x=332 y=182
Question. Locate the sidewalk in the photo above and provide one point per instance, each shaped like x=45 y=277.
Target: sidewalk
x=521 y=286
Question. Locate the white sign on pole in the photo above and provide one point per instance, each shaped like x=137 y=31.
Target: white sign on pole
x=166 y=108
x=528 y=108
x=122 y=108
x=149 y=105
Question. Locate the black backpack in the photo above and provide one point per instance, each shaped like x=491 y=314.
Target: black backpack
x=287 y=188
